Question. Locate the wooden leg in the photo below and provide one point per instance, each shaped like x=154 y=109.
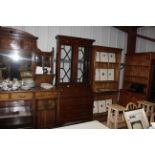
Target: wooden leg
x=109 y=117
x=116 y=120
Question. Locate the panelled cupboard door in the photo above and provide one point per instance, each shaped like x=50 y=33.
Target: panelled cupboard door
x=104 y=57
x=111 y=58
x=45 y=119
x=76 y=109
x=46 y=113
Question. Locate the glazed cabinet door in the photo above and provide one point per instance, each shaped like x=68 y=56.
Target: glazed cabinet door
x=73 y=60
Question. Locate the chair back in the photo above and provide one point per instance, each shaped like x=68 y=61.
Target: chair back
x=131 y=106
x=152 y=117
x=136 y=119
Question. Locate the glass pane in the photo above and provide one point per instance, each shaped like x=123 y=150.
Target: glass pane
x=80 y=72
x=39 y=60
x=25 y=65
x=65 y=65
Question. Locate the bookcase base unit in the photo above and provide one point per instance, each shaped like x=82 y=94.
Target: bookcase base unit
x=128 y=96
x=101 y=101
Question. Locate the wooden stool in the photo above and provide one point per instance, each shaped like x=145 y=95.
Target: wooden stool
x=148 y=107
x=115 y=115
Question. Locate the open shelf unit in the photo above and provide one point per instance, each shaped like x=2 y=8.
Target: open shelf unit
x=138 y=72
x=105 y=78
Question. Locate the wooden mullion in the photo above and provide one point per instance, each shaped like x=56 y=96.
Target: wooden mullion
x=74 y=64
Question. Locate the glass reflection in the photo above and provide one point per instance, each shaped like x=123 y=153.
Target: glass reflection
x=15 y=65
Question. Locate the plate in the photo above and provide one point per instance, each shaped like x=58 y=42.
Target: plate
x=25 y=87
x=46 y=86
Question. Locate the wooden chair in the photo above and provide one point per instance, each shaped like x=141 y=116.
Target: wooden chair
x=147 y=106
x=136 y=119
x=131 y=106
x=152 y=117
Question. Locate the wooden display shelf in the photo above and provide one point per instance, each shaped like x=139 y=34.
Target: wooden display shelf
x=106 y=81
x=107 y=63
x=113 y=54
x=137 y=65
x=139 y=70
x=105 y=90
x=136 y=76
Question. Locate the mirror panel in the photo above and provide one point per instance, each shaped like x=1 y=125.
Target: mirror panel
x=15 y=64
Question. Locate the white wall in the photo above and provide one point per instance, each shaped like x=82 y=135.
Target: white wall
x=104 y=36
x=143 y=45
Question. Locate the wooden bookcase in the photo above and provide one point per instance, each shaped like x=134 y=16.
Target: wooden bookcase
x=73 y=79
x=139 y=70
x=105 y=78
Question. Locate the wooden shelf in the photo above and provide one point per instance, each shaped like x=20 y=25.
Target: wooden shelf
x=106 y=65
x=111 y=81
x=138 y=69
x=106 y=90
x=105 y=84
x=27 y=114
x=113 y=63
x=136 y=76
x=130 y=65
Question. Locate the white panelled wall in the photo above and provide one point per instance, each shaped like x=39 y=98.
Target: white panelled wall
x=143 y=45
x=104 y=36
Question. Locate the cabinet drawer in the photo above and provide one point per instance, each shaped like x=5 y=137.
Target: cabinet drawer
x=46 y=104
x=21 y=96
x=45 y=95
x=4 y=97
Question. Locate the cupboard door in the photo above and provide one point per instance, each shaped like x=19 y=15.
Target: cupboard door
x=46 y=119
x=111 y=58
x=104 y=57
x=46 y=113
x=102 y=106
x=103 y=74
x=73 y=110
x=111 y=74
x=46 y=104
